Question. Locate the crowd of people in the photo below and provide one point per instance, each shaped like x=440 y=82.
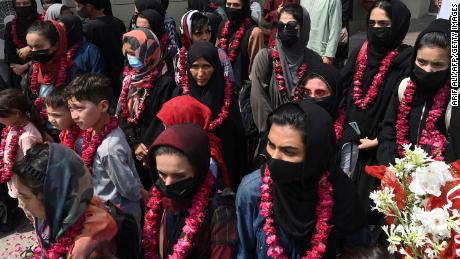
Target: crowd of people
x=214 y=138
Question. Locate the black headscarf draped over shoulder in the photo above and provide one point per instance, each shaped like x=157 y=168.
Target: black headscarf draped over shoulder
x=295 y=204
x=73 y=28
x=400 y=20
x=212 y=95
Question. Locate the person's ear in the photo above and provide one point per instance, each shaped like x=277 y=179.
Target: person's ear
x=103 y=105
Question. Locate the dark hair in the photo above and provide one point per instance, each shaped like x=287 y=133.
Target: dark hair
x=46 y=29
x=57 y=98
x=199 y=21
x=289 y=115
x=384 y=5
x=13 y=101
x=90 y=87
x=435 y=39
x=360 y=252
x=295 y=10
x=98 y=4
x=168 y=150
x=31 y=170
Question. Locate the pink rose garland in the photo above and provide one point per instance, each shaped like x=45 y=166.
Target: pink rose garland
x=147 y=85
x=238 y=36
x=6 y=172
x=323 y=215
x=430 y=135
x=64 y=244
x=91 y=142
x=377 y=81
x=183 y=80
x=338 y=125
x=196 y=215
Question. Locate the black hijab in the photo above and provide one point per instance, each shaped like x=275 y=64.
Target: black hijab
x=246 y=12
x=331 y=76
x=200 y=5
x=155 y=20
x=142 y=5
x=212 y=95
x=438 y=25
x=400 y=21
x=295 y=204
x=73 y=28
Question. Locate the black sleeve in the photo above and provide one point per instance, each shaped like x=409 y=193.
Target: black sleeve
x=346 y=74
x=387 y=149
x=453 y=148
x=347 y=11
x=11 y=56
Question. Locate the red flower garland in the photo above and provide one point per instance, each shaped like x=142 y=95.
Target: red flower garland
x=430 y=135
x=64 y=244
x=279 y=76
x=147 y=85
x=6 y=172
x=14 y=33
x=323 y=215
x=91 y=142
x=65 y=63
x=361 y=63
x=68 y=137
x=338 y=125
x=238 y=36
x=183 y=80
x=196 y=215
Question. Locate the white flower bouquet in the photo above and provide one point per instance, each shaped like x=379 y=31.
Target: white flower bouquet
x=420 y=198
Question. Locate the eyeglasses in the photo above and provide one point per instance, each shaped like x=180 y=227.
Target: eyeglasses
x=292 y=25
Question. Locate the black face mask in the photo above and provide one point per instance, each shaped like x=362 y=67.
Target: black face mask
x=379 y=37
x=326 y=103
x=429 y=81
x=234 y=15
x=24 y=11
x=41 y=56
x=179 y=190
x=283 y=172
x=288 y=34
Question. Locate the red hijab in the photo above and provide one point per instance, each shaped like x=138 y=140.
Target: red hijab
x=186 y=109
x=47 y=73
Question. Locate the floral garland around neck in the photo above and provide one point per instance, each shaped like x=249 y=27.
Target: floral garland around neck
x=91 y=142
x=196 y=214
x=183 y=80
x=19 y=44
x=68 y=137
x=65 y=63
x=223 y=41
x=64 y=244
x=6 y=169
x=279 y=76
x=146 y=85
x=323 y=215
x=338 y=125
x=430 y=135
x=377 y=81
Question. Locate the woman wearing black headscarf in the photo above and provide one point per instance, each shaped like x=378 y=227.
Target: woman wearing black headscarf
x=189 y=215
x=16 y=49
x=420 y=112
x=207 y=84
x=293 y=201
x=266 y=91
x=369 y=78
x=151 y=19
x=86 y=56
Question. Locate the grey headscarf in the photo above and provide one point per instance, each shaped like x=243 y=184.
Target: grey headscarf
x=68 y=189
x=53 y=12
x=292 y=58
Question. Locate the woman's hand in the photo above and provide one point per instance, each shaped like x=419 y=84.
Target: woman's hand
x=19 y=69
x=24 y=52
x=141 y=151
x=367 y=143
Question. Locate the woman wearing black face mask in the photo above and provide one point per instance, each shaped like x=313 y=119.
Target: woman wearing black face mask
x=16 y=49
x=285 y=61
x=299 y=192
x=48 y=42
x=188 y=205
x=420 y=111
x=368 y=80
